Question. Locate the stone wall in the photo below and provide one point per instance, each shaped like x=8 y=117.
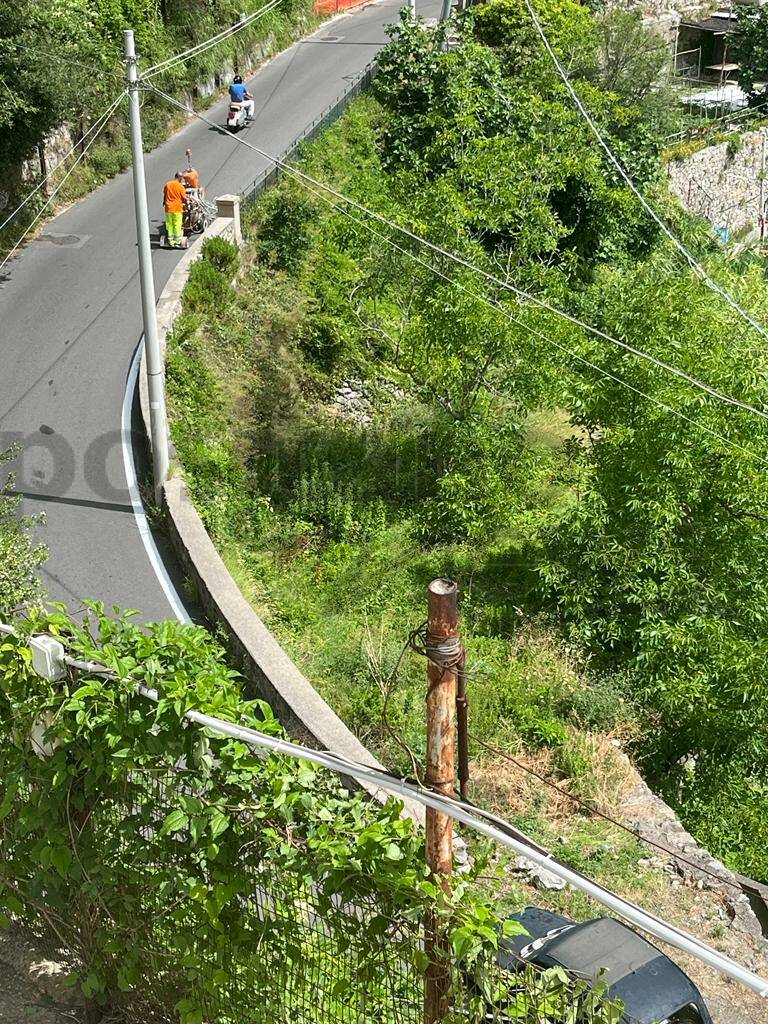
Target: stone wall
x=722 y=182
x=58 y=143
x=677 y=852
x=55 y=147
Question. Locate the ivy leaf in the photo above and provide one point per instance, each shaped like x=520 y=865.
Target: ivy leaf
x=218 y=823
x=174 y=822
x=461 y=941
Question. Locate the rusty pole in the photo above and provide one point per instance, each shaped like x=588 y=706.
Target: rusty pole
x=443 y=649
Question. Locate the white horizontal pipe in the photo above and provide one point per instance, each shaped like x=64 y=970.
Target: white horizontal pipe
x=654 y=926
x=635 y=915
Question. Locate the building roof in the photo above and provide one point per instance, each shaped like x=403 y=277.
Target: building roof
x=718 y=24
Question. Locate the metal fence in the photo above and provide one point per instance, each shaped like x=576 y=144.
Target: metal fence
x=271 y=175
x=225 y=935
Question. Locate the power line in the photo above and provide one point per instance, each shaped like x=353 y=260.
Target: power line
x=208 y=44
x=53 y=170
x=104 y=119
x=64 y=60
x=591 y=809
x=690 y=259
x=519 y=292
x=467 y=814
x=483 y=822
x=494 y=304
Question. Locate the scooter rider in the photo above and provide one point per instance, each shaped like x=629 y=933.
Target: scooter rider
x=239 y=94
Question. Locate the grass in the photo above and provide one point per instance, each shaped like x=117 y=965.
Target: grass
x=249 y=420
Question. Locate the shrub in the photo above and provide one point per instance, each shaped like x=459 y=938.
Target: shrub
x=727 y=808
x=282 y=223
x=733 y=144
x=602 y=703
x=222 y=255
x=207 y=289
x=336 y=508
x=19 y=557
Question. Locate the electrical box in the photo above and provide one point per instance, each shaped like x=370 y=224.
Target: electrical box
x=47 y=657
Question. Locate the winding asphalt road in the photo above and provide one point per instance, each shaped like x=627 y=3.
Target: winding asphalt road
x=70 y=325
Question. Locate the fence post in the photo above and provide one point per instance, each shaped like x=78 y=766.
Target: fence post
x=444 y=650
x=229 y=207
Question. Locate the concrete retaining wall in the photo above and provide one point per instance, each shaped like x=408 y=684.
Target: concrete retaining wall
x=268 y=671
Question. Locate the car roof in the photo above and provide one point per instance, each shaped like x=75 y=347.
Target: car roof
x=649 y=984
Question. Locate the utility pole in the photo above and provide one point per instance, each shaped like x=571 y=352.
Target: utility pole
x=444 y=654
x=445 y=13
x=157 y=413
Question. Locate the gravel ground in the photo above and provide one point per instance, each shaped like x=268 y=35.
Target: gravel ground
x=29 y=990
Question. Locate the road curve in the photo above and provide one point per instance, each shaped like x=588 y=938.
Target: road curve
x=70 y=324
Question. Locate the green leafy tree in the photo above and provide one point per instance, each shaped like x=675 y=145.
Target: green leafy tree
x=750 y=48
x=42 y=49
x=658 y=562
x=506 y=26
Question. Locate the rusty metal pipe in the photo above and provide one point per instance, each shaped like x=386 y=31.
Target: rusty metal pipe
x=443 y=650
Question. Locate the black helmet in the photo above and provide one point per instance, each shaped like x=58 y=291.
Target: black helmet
x=238 y=79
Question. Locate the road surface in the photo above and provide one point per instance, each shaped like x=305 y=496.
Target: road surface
x=70 y=325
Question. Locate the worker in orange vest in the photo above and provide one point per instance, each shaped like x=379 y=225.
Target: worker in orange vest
x=174 y=198
x=192 y=178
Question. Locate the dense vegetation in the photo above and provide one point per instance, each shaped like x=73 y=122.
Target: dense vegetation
x=610 y=552
x=20 y=557
x=61 y=63
x=179 y=876
x=750 y=49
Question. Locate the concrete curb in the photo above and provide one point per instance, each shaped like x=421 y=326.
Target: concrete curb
x=268 y=671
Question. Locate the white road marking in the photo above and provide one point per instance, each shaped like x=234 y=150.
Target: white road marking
x=172 y=595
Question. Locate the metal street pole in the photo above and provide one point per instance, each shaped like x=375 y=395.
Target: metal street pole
x=445 y=13
x=444 y=652
x=157 y=413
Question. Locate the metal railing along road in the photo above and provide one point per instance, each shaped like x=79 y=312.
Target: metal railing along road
x=271 y=175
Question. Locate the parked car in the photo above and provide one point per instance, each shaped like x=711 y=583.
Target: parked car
x=653 y=989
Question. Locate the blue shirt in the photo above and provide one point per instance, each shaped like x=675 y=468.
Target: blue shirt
x=237 y=92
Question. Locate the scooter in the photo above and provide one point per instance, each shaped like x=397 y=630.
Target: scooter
x=237 y=117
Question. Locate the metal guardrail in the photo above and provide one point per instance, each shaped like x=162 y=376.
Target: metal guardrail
x=736 y=120
x=271 y=175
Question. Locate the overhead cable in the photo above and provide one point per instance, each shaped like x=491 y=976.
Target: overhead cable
x=487 y=275
x=104 y=118
x=208 y=44
x=475 y=818
x=697 y=268
x=495 y=305
x=591 y=809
